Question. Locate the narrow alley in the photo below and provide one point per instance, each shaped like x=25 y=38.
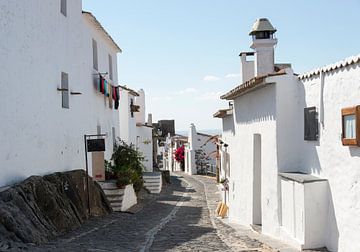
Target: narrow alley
x=179 y=219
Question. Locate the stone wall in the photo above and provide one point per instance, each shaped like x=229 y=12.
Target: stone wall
x=40 y=208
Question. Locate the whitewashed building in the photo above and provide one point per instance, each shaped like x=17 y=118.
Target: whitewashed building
x=134 y=130
x=292 y=148
x=127 y=111
x=200 y=152
x=171 y=144
x=144 y=132
x=49 y=96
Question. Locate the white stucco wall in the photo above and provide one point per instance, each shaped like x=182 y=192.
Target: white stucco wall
x=254 y=113
x=247 y=68
x=330 y=159
x=140 y=101
x=145 y=146
x=127 y=122
x=38 y=43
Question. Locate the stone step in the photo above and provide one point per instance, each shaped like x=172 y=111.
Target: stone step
x=151 y=185
x=115 y=198
x=155 y=191
x=116 y=209
x=116 y=204
x=108 y=185
x=151 y=179
x=152 y=182
x=114 y=192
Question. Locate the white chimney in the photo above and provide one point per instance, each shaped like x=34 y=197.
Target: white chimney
x=140 y=101
x=247 y=66
x=263 y=43
x=149 y=122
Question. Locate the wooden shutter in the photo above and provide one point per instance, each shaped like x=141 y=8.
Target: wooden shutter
x=311 y=124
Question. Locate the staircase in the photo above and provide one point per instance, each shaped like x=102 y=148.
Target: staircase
x=113 y=194
x=152 y=181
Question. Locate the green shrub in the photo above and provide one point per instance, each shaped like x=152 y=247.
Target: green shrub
x=127 y=165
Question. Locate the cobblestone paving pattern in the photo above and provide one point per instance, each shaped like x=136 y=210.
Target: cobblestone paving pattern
x=176 y=220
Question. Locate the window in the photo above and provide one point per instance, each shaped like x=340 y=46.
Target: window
x=113 y=137
x=311 y=124
x=95 y=55
x=63 y=7
x=351 y=126
x=131 y=107
x=110 y=68
x=65 y=90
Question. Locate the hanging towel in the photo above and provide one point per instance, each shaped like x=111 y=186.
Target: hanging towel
x=105 y=87
x=99 y=84
x=114 y=93
x=102 y=86
x=117 y=97
x=110 y=97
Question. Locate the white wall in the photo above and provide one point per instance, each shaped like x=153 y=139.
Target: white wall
x=140 y=101
x=37 y=43
x=145 y=146
x=254 y=113
x=247 y=68
x=127 y=122
x=329 y=158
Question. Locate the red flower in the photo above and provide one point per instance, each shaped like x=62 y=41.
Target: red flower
x=179 y=154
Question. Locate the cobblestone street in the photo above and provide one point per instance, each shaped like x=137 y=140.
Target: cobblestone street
x=176 y=220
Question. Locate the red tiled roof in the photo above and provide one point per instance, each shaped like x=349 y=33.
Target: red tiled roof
x=249 y=85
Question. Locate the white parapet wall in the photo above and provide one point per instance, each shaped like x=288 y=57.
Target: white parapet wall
x=129 y=198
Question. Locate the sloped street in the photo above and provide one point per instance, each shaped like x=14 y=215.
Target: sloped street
x=176 y=220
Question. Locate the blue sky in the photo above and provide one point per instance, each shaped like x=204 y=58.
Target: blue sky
x=184 y=53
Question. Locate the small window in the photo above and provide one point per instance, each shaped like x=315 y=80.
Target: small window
x=311 y=124
x=351 y=126
x=113 y=136
x=63 y=7
x=65 y=90
x=110 y=68
x=131 y=107
x=95 y=55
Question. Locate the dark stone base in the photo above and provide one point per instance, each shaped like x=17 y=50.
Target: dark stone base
x=166 y=176
x=41 y=208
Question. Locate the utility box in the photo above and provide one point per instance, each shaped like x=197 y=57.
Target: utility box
x=304 y=206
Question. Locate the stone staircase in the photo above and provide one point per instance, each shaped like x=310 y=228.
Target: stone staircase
x=113 y=194
x=152 y=181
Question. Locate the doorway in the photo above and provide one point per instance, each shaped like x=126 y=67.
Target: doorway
x=257 y=211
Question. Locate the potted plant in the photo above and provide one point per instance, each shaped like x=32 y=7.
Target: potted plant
x=127 y=165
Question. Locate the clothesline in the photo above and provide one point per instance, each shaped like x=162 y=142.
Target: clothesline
x=107 y=89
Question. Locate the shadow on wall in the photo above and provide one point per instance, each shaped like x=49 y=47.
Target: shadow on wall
x=332 y=228
x=257 y=106
x=306 y=159
x=228 y=125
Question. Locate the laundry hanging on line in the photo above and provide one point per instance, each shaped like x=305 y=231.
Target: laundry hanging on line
x=109 y=91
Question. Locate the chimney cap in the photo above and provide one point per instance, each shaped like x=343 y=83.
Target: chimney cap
x=262 y=24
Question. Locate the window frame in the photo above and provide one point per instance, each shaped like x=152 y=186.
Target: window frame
x=346 y=112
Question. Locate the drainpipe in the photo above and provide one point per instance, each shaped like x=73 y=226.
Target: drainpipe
x=217 y=164
x=321 y=98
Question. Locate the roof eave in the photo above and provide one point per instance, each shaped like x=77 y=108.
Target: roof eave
x=117 y=47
